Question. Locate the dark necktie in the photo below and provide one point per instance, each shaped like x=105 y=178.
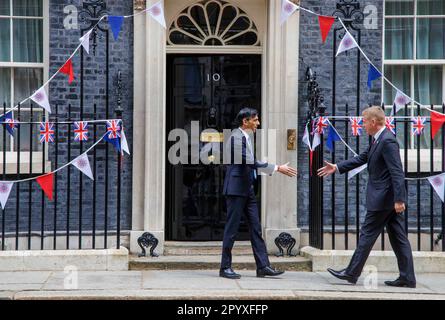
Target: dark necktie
x=252 y=152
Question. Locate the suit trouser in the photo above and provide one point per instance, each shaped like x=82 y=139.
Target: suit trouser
x=373 y=226
x=236 y=207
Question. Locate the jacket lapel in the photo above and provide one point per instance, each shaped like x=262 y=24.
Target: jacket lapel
x=248 y=143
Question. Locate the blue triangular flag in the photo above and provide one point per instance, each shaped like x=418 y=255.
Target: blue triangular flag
x=115 y=142
x=332 y=136
x=115 y=24
x=373 y=74
x=9 y=122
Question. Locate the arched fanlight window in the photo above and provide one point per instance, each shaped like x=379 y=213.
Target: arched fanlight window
x=213 y=23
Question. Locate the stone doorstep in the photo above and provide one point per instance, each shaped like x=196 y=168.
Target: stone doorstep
x=173 y=248
x=384 y=261
x=59 y=260
x=212 y=262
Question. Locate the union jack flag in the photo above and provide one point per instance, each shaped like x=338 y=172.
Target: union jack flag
x=321 y=123
x=113 y=129
x=356 y=125
x=10 y=123
x=46 y=132
x=389 y=122
x=81 y=131
x=418 y=125
x=113 y=134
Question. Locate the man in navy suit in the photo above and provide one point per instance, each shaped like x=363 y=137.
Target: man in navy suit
x=242 y=172
x=385 y=200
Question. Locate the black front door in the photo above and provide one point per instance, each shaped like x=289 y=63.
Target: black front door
x=210 y=89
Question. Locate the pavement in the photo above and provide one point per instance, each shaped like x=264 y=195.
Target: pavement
x=206 y=284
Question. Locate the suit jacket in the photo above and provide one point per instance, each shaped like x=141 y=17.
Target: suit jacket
x=240 y=174
x=386 y=184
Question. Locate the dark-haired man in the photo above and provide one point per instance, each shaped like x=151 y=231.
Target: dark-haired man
x=240 y=195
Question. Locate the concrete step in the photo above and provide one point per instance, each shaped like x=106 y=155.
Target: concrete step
x=207 y=262
x=172 y=248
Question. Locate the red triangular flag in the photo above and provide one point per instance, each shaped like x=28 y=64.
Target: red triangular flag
x=437 y=120
x=46 y=183
x=325 y=23
x=68 y=69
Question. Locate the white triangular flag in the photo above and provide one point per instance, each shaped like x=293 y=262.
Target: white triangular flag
x=316 y=141
x=41 y=99
x=348 y=42
x=287 y=9
x=124 y=143
x=438 y=184
x=83 y=164
x=306 y=140
x=356 y=171
x=157 y=12
x=5 y=190
x=85 y=41
x=400 y=101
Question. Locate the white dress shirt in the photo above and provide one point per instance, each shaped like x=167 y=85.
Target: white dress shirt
x=251 y=147
x=377 y=135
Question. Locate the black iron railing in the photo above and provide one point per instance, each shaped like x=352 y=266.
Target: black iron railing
x=83 y=211
x=332 y=216
x=337 y=205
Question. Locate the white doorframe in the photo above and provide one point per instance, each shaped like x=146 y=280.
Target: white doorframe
x=279 y=111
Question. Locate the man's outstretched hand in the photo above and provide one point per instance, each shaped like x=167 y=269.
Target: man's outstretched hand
x=327 y=170
x=288 y=171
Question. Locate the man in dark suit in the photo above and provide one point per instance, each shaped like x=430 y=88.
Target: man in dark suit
x=242 y=172
x=385 y=200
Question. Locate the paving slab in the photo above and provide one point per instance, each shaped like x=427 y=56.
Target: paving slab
x=7 y=295
x=20 y=286
x=156 y=295
x=219 y=295
x=104 y=280
x=380 y=286
x=24 y=277
x=287 y=281
x=187 y=280
x=206 y=284
x=435 y=282
x=335 y=295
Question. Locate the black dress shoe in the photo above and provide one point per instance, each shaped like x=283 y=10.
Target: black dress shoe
x=229 y=273
x=400 y=283
x=343 y=275
x=268 y=271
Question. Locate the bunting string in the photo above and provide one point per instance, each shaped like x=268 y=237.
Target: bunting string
x=437 y=119
x=157 y=12
x=57 y=72
x=341 y=139
x=355 y=44
x=347 y=117
x=61 y=122
x=60 y=168
x=114 y=134
x=381 y=73
x=355 y=154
